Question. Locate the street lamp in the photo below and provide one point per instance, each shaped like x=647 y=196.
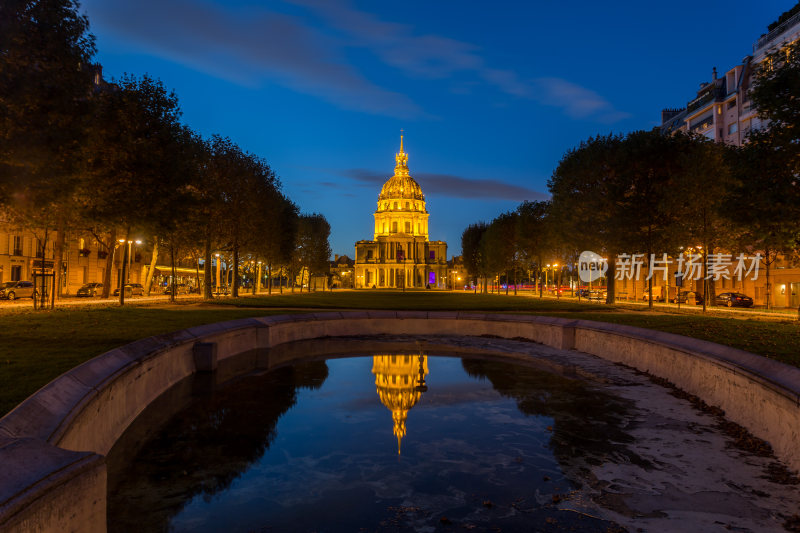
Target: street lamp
x=558 y=285
x=218 y=273
x=128 y=274
x=546 y=283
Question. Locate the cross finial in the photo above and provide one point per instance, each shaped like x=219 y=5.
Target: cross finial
x=401 y=140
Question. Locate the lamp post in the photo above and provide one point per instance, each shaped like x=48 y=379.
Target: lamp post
x=558 y=284
x=218 y=273
x=546 y=282
x=130 y=258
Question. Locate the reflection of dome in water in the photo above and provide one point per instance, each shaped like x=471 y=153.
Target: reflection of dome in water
x=397 y=380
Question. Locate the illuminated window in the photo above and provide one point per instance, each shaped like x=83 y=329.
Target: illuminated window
x=395 y=205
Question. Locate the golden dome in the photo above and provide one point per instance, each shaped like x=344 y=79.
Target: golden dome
x=401 y=185
x=399 y=381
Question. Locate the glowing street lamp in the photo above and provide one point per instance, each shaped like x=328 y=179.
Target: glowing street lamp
x=218 y=273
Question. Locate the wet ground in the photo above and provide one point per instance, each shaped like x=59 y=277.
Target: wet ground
x=546 y=441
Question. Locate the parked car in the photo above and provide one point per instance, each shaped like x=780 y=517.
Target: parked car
x=90 y=289
x=733 y=299
x=598 y=295
x=658 y=294
x=136 y=289
x=691 y=297
x=180 y=288
x=11 y=290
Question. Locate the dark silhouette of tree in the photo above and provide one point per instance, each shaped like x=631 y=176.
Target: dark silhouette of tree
x=312 y=249
x=46 y=81
x=500 y=247
x=535 y=236
x=473 y=253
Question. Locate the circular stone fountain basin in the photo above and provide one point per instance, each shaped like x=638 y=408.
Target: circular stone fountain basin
x=430 y=433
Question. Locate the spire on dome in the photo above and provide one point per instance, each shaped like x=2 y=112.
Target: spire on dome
x=401 y=158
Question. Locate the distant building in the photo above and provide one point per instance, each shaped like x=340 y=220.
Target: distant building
x=342 y=272
x=400 y=255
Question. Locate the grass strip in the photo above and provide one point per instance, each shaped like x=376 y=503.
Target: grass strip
x=36 y=347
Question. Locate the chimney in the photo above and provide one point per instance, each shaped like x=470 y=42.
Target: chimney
x=336 y=257
x=667 y=114
x=714 y=73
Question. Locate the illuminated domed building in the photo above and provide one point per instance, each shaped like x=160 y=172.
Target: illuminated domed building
x=401 y=255
x=400 y=382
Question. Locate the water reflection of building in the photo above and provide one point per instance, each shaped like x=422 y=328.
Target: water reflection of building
x=400 y=382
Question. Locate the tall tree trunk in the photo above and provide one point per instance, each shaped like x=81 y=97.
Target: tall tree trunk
x=122 y=280
x=207 y=269
x=515 y=281
x=269 y=282
x=174 y=283
x=197 y=274
x=611 y=282
x=112 y=248
x=148 y=282
x=58 y=259
x=257 y=280
x=767 y=264
x=235 y=292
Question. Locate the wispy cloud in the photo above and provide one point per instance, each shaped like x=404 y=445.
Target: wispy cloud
x=576 y=101
x=434 y=56
x=453 y=186
x=307 y=51
x=249 y=47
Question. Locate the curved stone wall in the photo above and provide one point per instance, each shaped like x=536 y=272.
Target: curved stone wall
x=52 y=446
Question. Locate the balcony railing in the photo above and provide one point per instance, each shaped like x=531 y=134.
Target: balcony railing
x=774 y=34
x=699 y=102
x=703 y=124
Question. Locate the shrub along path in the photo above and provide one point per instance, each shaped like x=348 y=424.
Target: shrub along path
x=36 y=347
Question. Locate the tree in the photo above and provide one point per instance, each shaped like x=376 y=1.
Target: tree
x=138 y=160
x=586 y=189
x=703 y=169
x=762 y=203
x=278 y=229
x=472 y=252
x=499 y=245
x=46 y=80
x=535 y=235
x=774 y=155
x=313 y=251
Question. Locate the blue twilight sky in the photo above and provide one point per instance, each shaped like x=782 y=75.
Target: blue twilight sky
x=490 y=94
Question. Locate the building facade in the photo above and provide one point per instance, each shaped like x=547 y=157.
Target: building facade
x=84 y=260
x=400 y=254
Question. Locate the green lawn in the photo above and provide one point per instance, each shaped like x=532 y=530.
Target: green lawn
x=37 y=347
